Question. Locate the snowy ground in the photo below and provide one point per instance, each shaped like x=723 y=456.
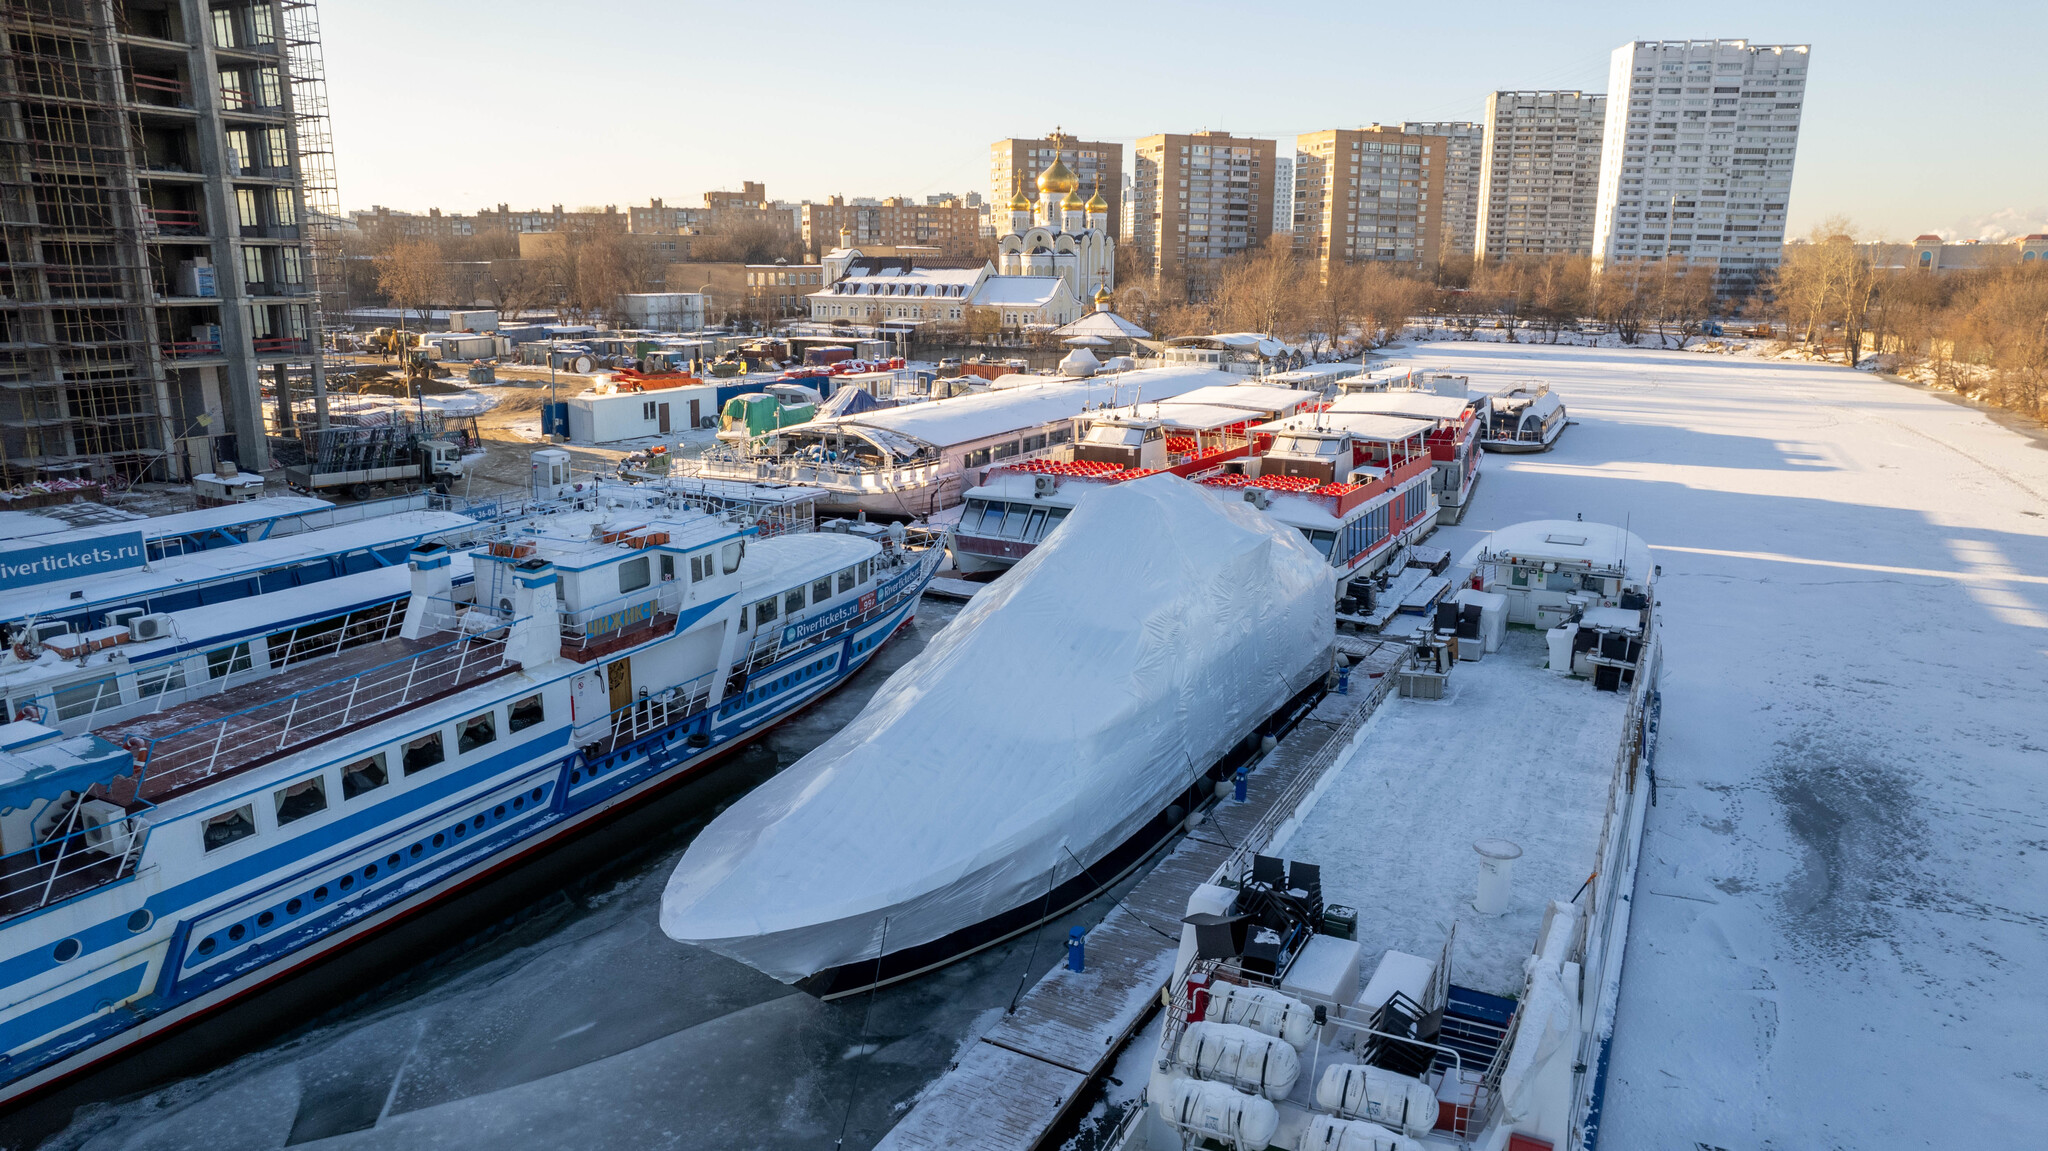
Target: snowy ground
x=1511 y=752
x=1842 y=917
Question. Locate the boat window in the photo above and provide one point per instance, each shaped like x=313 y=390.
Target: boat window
x=229 y=826
x=822 y=590
x=86 y=698
x=1033 y=443
x=864 y=571
x=1037 y=527
x=975 y=458
x=846 y=581
x=792 y=601
x=1594 y=584
x=1323 y=541
x=970 y=520
x=1561 y=581
x=525 y=713
x=668 y=567
x=1053 y=516
x=1059 y=435
x=1015 y=518
x=476 y=731
x=227 y=661
x=364 y=775
x=1004 y=451
x=729 y=555
x=304 y=798
x=633 y=574
x=157 y=681
x=1519 y=577
x=764 y=613
x=423 y=753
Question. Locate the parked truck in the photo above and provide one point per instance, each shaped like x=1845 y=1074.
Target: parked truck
x=364 y=461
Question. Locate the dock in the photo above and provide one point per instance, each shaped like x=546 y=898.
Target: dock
x=1010 y=1088
x=943 y=587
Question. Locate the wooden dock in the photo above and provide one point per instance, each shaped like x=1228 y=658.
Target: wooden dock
x=1010 y=1088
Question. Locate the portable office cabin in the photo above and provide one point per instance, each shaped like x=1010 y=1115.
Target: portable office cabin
x=603 y=417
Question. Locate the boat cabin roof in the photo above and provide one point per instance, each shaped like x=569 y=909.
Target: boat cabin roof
x=1602 y=547
x=1419 y=405
x=789 y=560
x=1359 y=425
x=580 y=540
x=1183 y=416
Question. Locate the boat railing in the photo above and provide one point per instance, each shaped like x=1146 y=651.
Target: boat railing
x=193 y=755
x=650 y=713
x=81 y=858
x=604 y=622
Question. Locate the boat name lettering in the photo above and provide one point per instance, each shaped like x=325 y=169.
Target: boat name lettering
x=28 y=566
x=621 y=619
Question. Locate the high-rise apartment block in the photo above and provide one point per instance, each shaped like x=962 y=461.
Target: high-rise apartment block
x=1368 y=194
x=1697 y=159
x=1283 y=193
x=1463 y=144
x=1199 y=199
x=1540 y=173
x=1014 y=166
x=165 y=181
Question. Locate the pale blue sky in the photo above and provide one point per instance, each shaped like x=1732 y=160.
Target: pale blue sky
x=1919 y=116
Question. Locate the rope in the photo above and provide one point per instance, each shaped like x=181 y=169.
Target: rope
x=853 y=1088
x=1031 y=963
x=1118 y=898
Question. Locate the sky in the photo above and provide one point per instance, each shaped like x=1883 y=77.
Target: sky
x=1908 y=128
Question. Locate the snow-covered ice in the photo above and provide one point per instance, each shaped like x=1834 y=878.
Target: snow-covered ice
x=1841 y=920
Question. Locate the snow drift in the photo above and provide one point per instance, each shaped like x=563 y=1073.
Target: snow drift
x=1062 y=710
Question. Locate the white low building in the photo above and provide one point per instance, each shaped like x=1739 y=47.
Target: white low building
x=662 y=311
x=604 y=416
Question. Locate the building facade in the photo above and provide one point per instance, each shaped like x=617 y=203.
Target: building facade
x=778 y=291
x=1368 y=194
x=1283 y=193
x=951 y=226
x=158 y=235
x=1016 y=163
x=1539 y=178
x=1696 y=161
x=1061 y=235
x=1463 y=144
x=1198 y=199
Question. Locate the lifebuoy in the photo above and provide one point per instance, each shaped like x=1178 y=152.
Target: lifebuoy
x=30 y=713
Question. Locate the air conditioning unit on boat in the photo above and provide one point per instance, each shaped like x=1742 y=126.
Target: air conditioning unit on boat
x=155 y=625
x=1044 y=485
x=1259 y=498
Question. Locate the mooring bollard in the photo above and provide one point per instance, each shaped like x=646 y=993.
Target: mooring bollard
x=1238 y=786
x=1075 y=949
x=1343 y=681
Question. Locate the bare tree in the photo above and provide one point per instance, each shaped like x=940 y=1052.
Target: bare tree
x=409 y=274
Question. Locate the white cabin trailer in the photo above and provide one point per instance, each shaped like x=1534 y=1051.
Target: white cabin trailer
x=458 y=346
x=607 y=413
x=1553 y=570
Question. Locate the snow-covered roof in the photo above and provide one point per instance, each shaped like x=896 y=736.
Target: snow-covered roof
x=1194 y=417
x=1362 y=425
x=1018 y=291
x=1605 y=546
x=964 y=419
x=955 y=283
x=1251 y=397
x=1423 y=404
x=1104 y=325
x=1315 y=374
x=195 y=522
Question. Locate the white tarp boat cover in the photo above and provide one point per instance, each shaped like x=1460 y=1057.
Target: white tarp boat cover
x=1066 y=706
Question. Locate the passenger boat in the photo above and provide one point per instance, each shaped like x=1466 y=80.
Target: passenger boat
x=914 y=460
x=159 y=867
x=1424 y=971
x=1044 y=744
x=1453 y=440
x=1523 y=418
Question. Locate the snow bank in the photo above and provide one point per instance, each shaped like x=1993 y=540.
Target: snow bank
x=1067 y=705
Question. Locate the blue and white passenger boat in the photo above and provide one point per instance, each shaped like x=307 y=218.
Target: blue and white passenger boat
x=155 y=869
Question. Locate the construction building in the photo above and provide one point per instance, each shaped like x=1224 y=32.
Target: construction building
x=1463 y=144
x=1015 y=164
x=1199 y=199
x=166 y=202
x=1368 y=194
x=1540 y=176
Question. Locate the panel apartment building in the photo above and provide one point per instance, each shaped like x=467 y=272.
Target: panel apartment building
x=1697 y=157
x=1014 y=165
x=950 y=225
x=1464 y=142
x=1368 y=194
x=1540 y=173
x=155 y=171
x=1199 y=199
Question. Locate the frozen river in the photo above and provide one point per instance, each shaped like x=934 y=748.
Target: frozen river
x=1842 y=916
x=579 y=1025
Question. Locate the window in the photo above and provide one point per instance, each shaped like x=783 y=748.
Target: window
x=294 y=269
x=846 y=581
x=286 y=207
x=224 y=28
x=525 y=713
x=792 y=601
x=975 y=459
x=245 y=208
x=364 y=775
x=252 y=264
x=668 y=568
x=822 y=590
x=423 y=753
x=156 y=681
x=476 y=731
x=227 y=661
x=764 y=613
x=229 y=826
x=864 y=571
x=304 y=798
x=266 y=27
x=269 y=88
x=647 y=410
x=729 y=555
x=633 y=575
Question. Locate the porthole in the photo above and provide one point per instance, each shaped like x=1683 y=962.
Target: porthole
x=498 y=812
x=418 y=849
x=518 y=801
x=347 y=881
x=439 y=839
x=576 y=777
x=236 y=932
x=478 y=822
x=370 y=872
x=265 y=919
x=393 y=860
x=294 y=907
x=538 y=792
x=320 y=893
x=206 y=946
x=140 y=921
x=67 y=950
x=461 y=829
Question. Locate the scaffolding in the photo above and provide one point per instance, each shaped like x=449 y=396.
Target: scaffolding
x=82 y=391
x=307 y=70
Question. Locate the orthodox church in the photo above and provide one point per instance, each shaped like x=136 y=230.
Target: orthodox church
x=1064 y=236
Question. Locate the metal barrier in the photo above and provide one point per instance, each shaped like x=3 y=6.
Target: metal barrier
x=61 y=866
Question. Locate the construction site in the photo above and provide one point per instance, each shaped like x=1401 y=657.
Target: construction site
x=167 y=199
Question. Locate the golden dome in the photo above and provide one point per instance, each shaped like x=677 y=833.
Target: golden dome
x=1073 y=202
x=1096 y=203
x=1058 y=178
x=1102 y=293
x=1020 y=202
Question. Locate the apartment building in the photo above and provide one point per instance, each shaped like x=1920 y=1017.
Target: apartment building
x=381 y=222
x=167 y=183
x=1464 y=142
x=1199 y=199
x=1540 y=173
x=951 y=226
x=1368 y=194
x=1283 y=193
x=1014 y=165
x=553 y=219
x=1697 y=155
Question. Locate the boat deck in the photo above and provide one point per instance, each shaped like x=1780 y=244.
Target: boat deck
x=1009 y=1088
x=1511 y=752
x=196 y=743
